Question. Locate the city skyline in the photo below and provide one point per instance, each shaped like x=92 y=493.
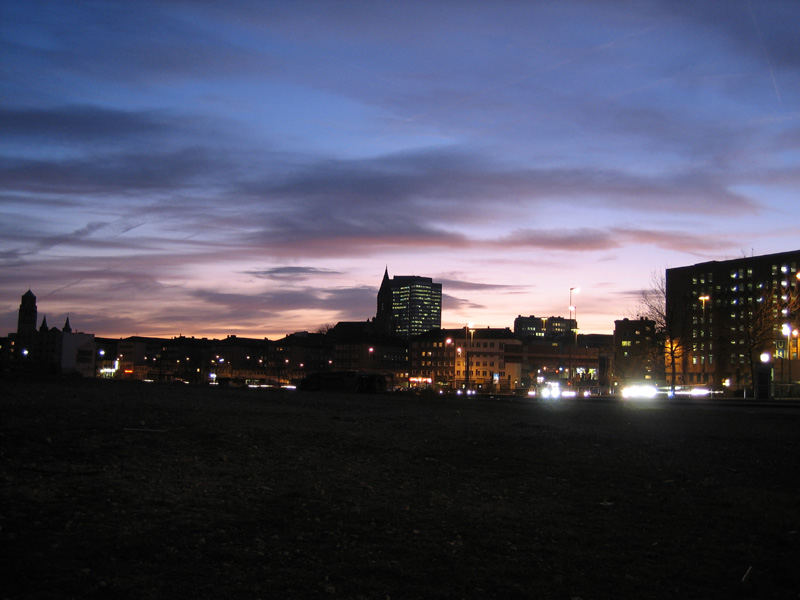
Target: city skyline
x=173 y=169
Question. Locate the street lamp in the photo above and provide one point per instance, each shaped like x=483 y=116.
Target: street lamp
x=447 y=343
x=455 y=360
x=573 y=310
x=764 y=374
x=573 y=318
x=468 y=332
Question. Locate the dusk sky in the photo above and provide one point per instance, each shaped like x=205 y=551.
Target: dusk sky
x=251 y=168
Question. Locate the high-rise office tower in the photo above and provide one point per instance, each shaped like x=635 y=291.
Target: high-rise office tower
x=408 y=305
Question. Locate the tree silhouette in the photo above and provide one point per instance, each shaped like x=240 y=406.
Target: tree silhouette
x=670 y=323
x=760 y=322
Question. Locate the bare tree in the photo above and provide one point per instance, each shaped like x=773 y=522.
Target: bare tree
x=325 y=328
x=761 y=321
x=669 y=323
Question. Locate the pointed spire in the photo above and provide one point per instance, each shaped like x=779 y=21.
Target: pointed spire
x=386 y=272
x=44 y=324
x=67 y=328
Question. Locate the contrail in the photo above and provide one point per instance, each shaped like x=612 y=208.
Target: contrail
x=63 y=287
x=766 y=53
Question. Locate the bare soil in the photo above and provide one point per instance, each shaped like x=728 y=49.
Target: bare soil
x=148 y=491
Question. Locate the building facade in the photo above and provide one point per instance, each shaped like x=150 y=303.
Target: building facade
x=408 y=305
x=549 y=328
x=637 y=356
x=483 y=360
x=730 y=315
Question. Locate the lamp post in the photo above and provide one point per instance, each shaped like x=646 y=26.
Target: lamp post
x=703 y=300
x=467 y=342
x=573 y=317
x=763 y=381
x=459 y=353
x=447 y=343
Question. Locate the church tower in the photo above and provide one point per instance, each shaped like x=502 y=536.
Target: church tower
x=383 y=318
x=26 y=322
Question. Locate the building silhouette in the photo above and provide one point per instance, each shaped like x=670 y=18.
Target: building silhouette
x=545 y=328
x=727 y=313
x=638 y=357
x=48 y=350
x=26 y=320
x=408 y=305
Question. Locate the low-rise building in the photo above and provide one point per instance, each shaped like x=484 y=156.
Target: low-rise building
x=484 y=360
x=637 y=355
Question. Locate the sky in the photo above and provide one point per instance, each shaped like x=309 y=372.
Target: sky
x=251 y=168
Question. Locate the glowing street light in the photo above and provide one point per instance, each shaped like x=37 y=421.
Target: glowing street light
x=468 y=336
x=572 y=290
x=573 y=310
x=447 y=343
x=573 y=318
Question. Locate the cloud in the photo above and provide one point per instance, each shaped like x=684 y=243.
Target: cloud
x=421 y=196
x=742 y=23
x=592 y=239
x=413 y=201
x=82 y=123
x=578 y=240
x=105 y=42
x=292 y=273
x=346 y=303
x=458 y=284
x=115 y=173
x=454 y=303
x=676 y=240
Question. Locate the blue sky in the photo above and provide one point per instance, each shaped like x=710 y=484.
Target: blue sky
x=250 y=168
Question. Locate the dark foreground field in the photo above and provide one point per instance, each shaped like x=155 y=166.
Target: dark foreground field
x=144 y=491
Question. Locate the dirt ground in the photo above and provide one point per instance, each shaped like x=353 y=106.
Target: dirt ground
x=148 y=491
